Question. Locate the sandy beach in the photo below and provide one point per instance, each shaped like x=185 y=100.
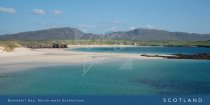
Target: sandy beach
x=25 y=58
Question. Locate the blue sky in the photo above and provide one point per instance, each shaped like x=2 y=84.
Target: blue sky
x=99 y=16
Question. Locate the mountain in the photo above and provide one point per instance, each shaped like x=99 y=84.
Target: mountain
x=136 y=34
x=49 y=34
x=157 y=35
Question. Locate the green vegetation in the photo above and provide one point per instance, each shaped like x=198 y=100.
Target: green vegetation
x=175 y=43
x=9 y=45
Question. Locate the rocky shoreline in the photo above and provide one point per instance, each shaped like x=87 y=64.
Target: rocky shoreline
x=47 y=45
x=182 y=56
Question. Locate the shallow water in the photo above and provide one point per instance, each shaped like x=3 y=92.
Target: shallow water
x=116 y=77
x=147 y=50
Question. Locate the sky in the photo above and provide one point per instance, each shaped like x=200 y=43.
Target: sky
x=100 y=16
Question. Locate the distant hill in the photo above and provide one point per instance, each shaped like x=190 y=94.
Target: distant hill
x=157 y=35
x=136 y=34
x=49 y=34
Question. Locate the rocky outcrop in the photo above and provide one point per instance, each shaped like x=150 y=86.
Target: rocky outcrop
x=47 y=45
x=183 y=56
x=59 y=45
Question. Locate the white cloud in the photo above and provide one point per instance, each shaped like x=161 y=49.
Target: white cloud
x=150 y=26
x=7 y=10
x=131 y=28
x=38 y=11
x=86 y=26
x=57 y=12
x=115 y=22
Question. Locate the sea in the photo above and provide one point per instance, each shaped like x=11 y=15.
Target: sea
x=119 y=76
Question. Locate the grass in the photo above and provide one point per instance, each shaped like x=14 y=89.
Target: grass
x=10 y=45
x=174 y=43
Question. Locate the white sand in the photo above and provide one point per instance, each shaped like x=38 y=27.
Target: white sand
x=2 y=50
x=25 y=58
x=18 y=52
x=89 y=46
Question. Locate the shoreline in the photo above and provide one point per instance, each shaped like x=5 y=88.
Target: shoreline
x=93 y=46
x=26 y=58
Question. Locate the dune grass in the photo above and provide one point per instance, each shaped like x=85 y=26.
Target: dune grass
x=10 y=45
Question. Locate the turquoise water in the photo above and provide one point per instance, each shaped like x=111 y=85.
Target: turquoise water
x=112 y=77
x=144 y=77
x=147 y=50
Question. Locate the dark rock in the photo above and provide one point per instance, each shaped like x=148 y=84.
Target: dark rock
x=183 y=56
